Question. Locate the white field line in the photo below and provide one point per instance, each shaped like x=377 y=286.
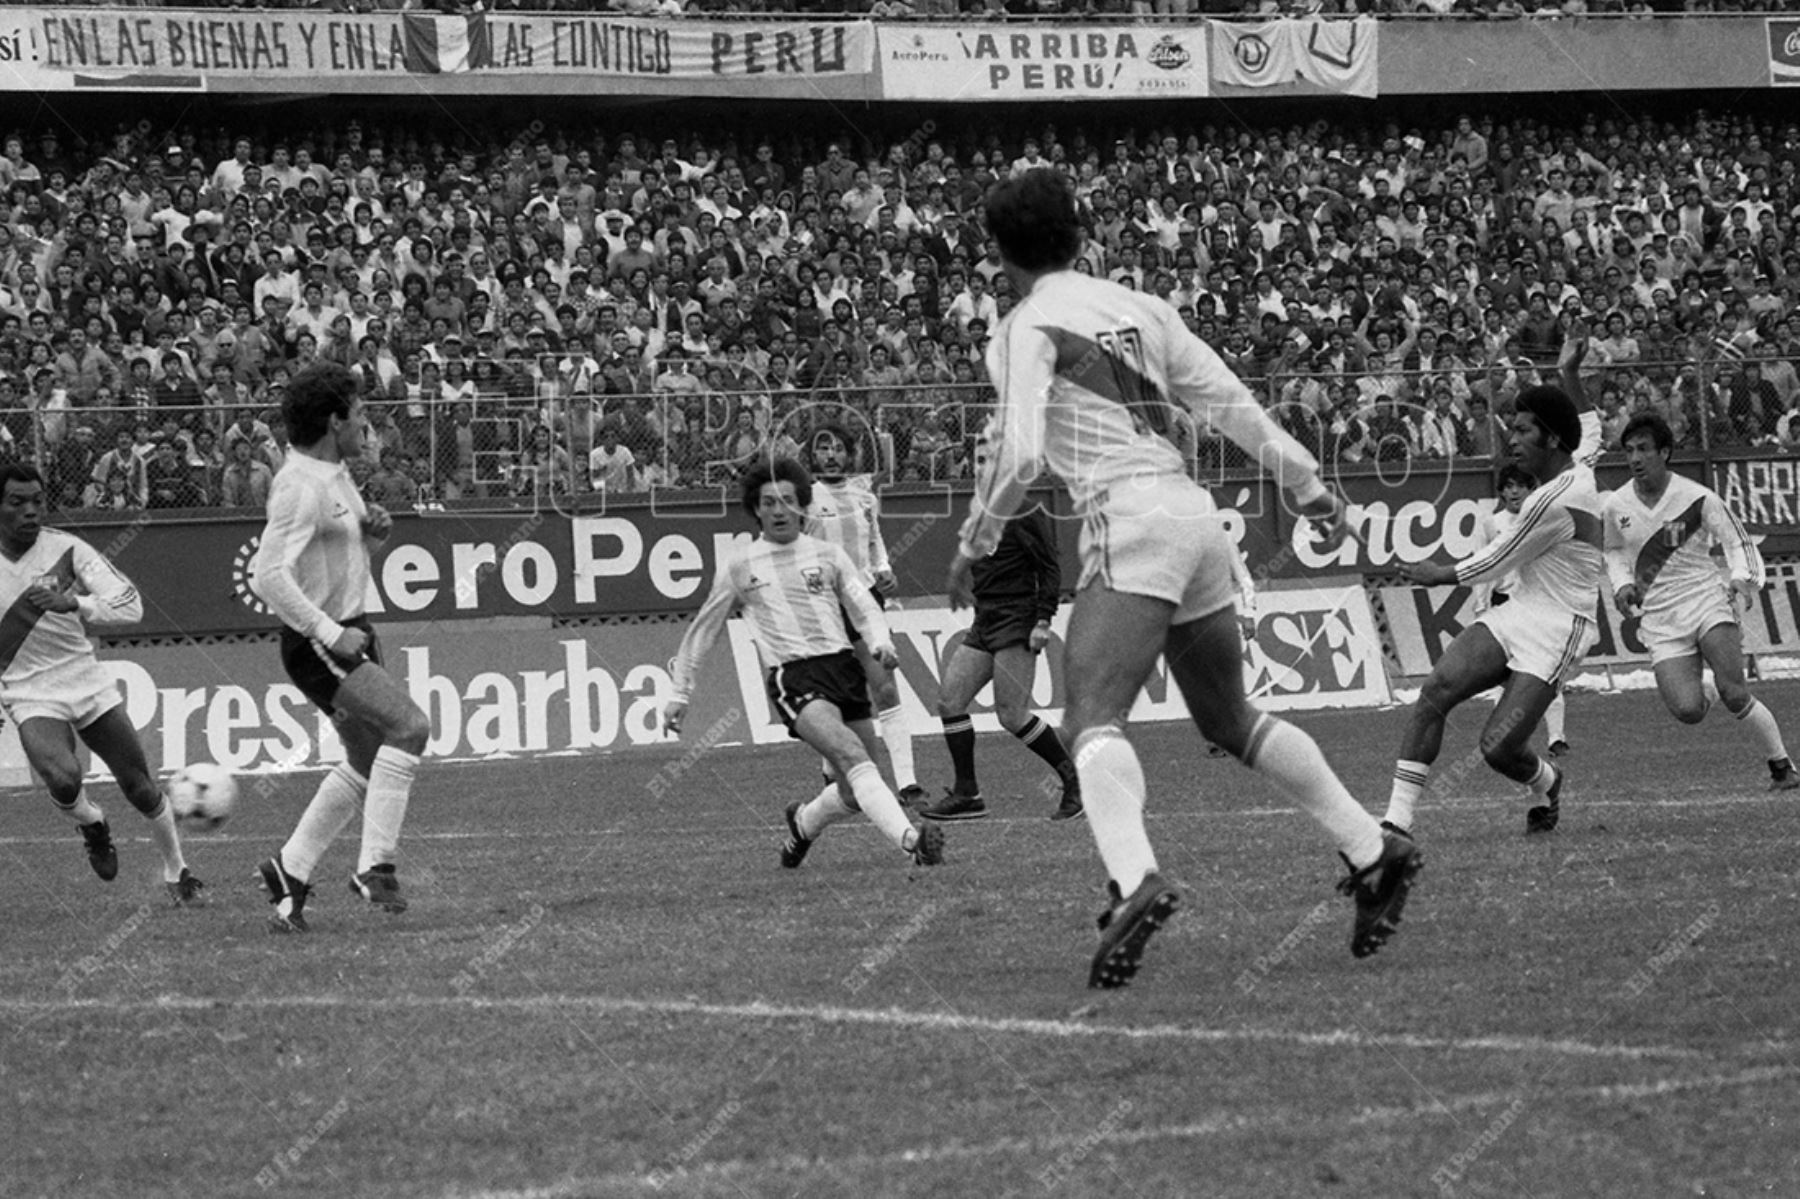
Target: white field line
x=1175 y=810
x=788 y=1168
x=942 y=1022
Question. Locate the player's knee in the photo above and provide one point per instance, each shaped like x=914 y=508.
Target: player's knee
x=62 y=780
x=1736 y=697
x=1435 y=698
x=141 y=793
x=1690 y=711
x=410 y=732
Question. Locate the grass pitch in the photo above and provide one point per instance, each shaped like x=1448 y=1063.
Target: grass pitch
x=602 y=993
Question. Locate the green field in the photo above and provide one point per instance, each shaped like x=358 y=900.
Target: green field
x=598 y=992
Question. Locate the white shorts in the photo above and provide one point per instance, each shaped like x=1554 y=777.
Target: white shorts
x=78 y=693
x=1675 y=631
x=1544 y=643
x=1165 y=540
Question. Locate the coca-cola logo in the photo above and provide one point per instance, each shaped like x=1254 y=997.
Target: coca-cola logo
x=1784 y=42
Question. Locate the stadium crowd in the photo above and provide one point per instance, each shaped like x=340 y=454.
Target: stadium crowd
x=589 y=309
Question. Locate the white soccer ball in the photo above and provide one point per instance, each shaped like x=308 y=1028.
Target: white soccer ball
x=202 y=795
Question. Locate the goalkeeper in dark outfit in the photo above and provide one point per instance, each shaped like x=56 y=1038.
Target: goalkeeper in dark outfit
x=1016 y=593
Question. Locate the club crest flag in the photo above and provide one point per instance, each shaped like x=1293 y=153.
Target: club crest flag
x=1340 y=56
x=440 y=45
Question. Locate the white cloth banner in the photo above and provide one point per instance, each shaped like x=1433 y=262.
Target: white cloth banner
x=1041 y=62
x=1339 y=55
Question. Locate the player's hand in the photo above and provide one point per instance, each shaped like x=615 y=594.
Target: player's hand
x=1574 y=347
x=1330 y=518
x=47 y=597
x=885 y=655
x=960 y=585
x=1743 y=594
x=885 y=585
x=378 y=523
x=350 y=644
x=1039 y=637
x=672 y=715
x=1629 y=599
x=1428 y=574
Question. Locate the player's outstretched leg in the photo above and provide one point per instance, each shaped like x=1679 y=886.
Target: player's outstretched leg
x=1473 y=663
x=851 y=749
x=1205 y=657
x=1722 y=647
x=386 y=733
x=49 y=746
x=115 y=742
x=1506 y=747
x=807 y=821
x=286 y=875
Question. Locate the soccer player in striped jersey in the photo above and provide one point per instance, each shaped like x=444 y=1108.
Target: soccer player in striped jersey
x=1514 y=486
x=795 y=591
x=1660 y=534
x=1095 y=380
x=846 y=512
x=312 y=569
x=1529 y=644
x=52 y=586
x=1016 y=592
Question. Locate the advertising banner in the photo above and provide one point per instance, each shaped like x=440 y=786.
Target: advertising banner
x=1041 y=62
x=237 y=50
x=1313 y=647
x=1784 y=51
x=1424 y=620
x=1764 y=494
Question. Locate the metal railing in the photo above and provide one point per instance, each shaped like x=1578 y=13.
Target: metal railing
x=499 y=448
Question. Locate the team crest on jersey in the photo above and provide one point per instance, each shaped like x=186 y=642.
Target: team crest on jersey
x=815 y=580
x=1674 y=533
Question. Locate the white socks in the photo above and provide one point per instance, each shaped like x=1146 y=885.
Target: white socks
x=1409 y=784
x=1554 y=717
x=167 y=841
x=1291 y=760
x=384 y=807
x=339 y=794
x=898 y=740
x=83 y=810
x=1761 y=723
x=880 y=805
x=822 y=811
x=1543 y=780
x=1112 y=791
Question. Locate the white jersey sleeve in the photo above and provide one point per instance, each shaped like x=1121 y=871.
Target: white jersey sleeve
x=110 y=597
x=709 y=622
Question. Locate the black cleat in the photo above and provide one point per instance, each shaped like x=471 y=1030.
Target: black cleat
x=287 y=893
x=1782 y=776
x=1070 y=808
x=793 y=850
x=928 y=850
x=187 y=891
x=1380 y=890
x=913 y=796
x=956 y=806
x=1126 y=927
x=101 y=854
x=1543 y=817
x=381 y=887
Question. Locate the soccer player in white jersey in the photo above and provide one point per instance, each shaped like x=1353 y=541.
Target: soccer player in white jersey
x=52 y=586
x=1514 y=486
x=312 y=569
x=1093 y=380
x=846 y=512
x=1660 y=534
x=1529 y=644
x=795 y=590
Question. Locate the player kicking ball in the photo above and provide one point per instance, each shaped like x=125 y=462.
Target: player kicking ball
x=312 y=569
x=55 y=690
x=1660 y=534
x=1016 y=593
x=795 y=590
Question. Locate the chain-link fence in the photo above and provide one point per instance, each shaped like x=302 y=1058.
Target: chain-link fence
x=490 y=445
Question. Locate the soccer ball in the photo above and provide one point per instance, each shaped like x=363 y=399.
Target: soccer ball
x=202 y=795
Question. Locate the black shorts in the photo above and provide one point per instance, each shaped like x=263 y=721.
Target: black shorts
x=316 y=670
x=1001 y=626
x=837 y=677
x=850 y=625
